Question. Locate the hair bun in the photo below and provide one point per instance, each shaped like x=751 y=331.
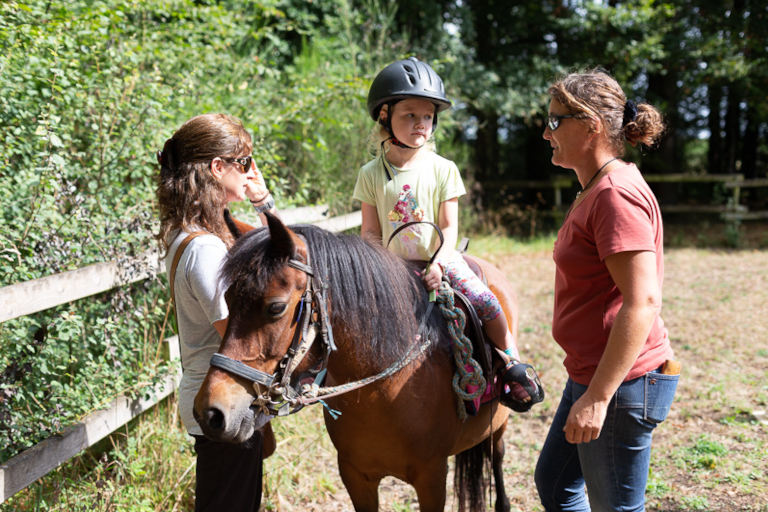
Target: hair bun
x=630 y=113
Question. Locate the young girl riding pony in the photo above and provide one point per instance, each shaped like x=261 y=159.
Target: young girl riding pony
x=407 y=182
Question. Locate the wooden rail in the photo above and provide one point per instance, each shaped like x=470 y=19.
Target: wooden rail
x=732 y=211
x=40 y=294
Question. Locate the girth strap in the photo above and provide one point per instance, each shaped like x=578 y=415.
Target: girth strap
x=241 y=369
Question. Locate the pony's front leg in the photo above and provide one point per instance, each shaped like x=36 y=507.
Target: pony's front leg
x=429 y=482
x=363 y=488
x=497 y=463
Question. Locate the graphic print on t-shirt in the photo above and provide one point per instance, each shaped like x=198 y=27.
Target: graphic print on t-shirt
x=407 y=209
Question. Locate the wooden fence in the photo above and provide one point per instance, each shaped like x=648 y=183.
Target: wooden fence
x=44 y=293
x=40 y=294
x=731 y=211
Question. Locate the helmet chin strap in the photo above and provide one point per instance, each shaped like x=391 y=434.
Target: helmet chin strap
x=387 y=123
x=394 y=140
x=388 y=169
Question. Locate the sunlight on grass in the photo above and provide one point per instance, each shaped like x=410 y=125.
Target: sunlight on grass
x=695 y=503
x=657 y=488
x=487 y=244
x=709 y=452
x=149 y=466
x=706 y=453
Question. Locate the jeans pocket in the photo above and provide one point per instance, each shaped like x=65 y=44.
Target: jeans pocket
x=659 y=393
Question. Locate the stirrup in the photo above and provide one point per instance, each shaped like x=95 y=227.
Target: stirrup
x=525 y=375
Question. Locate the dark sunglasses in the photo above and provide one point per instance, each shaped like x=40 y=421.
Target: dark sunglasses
x=553 y=120
x=245 y=161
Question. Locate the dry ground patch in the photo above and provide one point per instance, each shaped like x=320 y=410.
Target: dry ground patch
x=709 y=455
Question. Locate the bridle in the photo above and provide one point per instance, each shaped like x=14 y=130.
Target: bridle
x=280 y=393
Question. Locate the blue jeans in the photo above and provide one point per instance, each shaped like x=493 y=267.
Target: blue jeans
x=614 y=467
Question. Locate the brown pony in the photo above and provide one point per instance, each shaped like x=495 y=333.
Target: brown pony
x=403 y=425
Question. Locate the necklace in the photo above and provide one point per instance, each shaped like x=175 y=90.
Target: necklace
x=585 y=187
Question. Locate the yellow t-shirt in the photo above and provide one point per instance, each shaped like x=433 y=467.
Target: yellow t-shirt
x=411 y=194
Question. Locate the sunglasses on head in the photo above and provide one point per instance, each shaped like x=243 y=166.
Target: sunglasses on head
x=553 y=120
x=244 y=161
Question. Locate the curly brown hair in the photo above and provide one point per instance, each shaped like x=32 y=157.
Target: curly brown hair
x=188 y=196
x=598 y=95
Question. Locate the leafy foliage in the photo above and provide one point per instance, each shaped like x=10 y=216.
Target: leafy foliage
x=90 y=91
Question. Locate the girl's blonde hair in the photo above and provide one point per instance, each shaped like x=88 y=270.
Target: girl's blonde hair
x=599 y=95
x=188 y=196
x=379 y=135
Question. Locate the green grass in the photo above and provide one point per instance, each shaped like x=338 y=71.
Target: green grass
x=708 y=455
x=147 y=466
x=484 y=244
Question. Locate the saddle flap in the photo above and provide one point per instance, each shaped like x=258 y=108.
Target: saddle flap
x=481 y=350
x=475 y=267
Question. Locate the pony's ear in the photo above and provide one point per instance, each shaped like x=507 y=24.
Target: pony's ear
x=230 y=222
x=281 y=244
x=236 y=227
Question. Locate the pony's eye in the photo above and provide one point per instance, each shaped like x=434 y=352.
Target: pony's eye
x=276 y=308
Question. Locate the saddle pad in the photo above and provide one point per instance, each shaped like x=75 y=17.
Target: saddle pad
x=492 y=391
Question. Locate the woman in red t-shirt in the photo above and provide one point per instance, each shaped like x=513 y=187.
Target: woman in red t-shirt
x=609 y=272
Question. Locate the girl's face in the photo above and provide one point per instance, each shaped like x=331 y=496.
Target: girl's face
x=233 y=176
x=412 y=120
x=570 y=140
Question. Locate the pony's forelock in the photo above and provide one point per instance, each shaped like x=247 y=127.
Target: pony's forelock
x=374 y=296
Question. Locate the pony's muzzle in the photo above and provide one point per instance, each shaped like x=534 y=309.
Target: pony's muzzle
x=214 y=419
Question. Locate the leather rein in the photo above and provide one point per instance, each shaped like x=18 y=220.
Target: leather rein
x=280 y=394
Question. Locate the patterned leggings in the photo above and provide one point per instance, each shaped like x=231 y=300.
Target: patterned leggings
x=462 y=278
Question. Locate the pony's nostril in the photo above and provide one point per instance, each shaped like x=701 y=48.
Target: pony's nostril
x=214 y=418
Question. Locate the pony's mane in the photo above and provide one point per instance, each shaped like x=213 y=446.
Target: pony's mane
x=376 y=298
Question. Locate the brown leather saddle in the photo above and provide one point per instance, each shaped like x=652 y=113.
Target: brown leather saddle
x=482 y=351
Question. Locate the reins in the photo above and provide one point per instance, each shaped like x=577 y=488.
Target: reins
x=462 y=352
x=276 y=395
x=461 y=346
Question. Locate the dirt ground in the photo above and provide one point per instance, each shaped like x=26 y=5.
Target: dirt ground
x=710 y=454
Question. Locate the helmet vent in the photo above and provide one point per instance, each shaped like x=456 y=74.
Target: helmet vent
x=410 y=74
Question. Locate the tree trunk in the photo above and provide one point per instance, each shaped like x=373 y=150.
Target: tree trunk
x=486 y=147
x=749 y=145
x=735 y=95
x=663 y=90
x=732 y=129
x=714 y=151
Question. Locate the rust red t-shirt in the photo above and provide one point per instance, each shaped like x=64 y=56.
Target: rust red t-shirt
x=619 y=214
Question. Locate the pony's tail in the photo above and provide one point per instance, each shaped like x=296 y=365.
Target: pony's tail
x=469 y=482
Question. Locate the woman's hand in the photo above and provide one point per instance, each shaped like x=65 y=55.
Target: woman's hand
x=256 y=189
x=585 y=420
x=432 y=277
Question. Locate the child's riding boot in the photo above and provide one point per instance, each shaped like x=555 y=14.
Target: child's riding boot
x=516 y=376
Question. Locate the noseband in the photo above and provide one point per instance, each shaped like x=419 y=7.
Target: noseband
x=278 y=394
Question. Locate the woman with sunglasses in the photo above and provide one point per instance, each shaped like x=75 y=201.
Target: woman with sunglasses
x=205 y=166
x=609 y=271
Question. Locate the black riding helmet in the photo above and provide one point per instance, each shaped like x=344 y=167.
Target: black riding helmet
x=408 y=78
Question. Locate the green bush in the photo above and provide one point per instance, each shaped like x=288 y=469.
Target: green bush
x=89 y=90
